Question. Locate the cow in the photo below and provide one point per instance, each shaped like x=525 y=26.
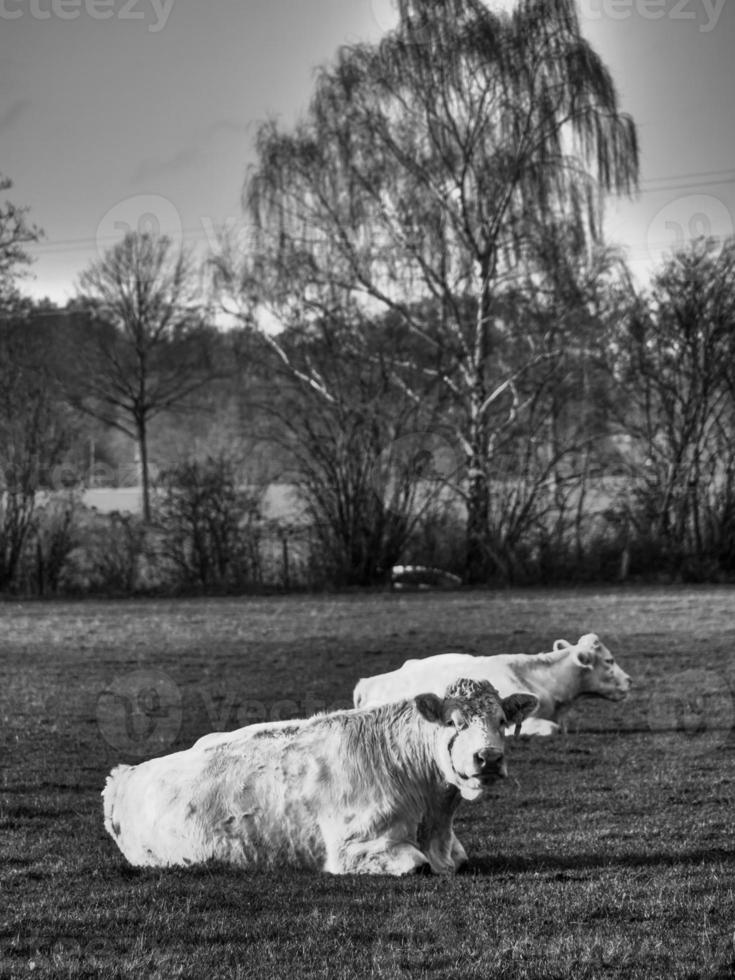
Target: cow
x=558 y=679
x=367 y=791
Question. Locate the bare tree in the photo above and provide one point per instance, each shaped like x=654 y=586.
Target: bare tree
x=416 y=184
x=34 y=432
x=145 y=349
x=674 y=353
x=210 y=526
x=368 y=461
x=546 y=453
x=16 y=233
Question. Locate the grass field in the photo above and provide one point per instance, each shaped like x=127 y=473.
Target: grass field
x=607 y=853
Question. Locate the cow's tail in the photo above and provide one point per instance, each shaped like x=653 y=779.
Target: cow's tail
x=110 y=794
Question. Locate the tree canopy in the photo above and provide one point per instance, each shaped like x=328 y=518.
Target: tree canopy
x=421 y=180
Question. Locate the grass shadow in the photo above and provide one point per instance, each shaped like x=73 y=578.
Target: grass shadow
x=488 y=865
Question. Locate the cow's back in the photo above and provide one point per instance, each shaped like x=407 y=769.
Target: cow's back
x=434 y=674
x=431 y=675
x=506 y=672
x=260 y=796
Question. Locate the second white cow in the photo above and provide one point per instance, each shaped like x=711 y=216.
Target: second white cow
x=558 y=679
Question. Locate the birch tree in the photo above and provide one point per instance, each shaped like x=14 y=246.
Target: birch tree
x=414 y=184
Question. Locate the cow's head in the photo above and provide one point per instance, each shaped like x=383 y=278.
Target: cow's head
x=471 y=745
x=600 y=675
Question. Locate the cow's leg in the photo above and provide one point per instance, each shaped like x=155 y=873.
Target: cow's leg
x=401 y=859
x=446 y=854
x=459 y=855
x=385 y=856
x=539 y=726
x=437 y=838
x=388 y=850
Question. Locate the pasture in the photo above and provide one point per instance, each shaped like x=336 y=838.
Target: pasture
x=609 y=852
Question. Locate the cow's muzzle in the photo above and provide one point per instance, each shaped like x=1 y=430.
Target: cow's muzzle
x=623 y=690
x=490 y=764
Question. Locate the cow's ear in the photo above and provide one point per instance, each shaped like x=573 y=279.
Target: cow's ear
x=519 y=706
x=584 y=658
x=561 y=645
x=430 y=707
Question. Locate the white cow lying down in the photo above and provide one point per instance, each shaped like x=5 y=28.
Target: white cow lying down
x=559 y=678
x=369 y=791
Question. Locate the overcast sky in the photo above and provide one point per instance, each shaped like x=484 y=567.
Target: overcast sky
x=139 y=113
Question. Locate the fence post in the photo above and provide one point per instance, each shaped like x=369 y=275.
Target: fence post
x=284 y=557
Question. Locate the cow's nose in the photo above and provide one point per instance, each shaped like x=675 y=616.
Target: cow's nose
x=489 y=760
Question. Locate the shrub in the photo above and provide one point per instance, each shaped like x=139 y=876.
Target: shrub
x=209 y=527
x=114 y=554
x=55 y=535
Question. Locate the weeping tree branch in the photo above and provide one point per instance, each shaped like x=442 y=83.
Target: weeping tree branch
x=416 y=184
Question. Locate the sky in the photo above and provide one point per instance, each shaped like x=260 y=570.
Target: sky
x=124 y=114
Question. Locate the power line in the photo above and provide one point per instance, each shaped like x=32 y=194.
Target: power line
x=77 y=244
x=200 y=233
x=683 y=187
x=686 y=176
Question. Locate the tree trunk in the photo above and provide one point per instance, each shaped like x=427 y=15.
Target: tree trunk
x=144 y=473
x=477 y=568
x=17 y=517
x=477 y=559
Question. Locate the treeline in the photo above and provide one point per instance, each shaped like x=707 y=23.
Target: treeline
x=616 y=462
x=428 y=342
